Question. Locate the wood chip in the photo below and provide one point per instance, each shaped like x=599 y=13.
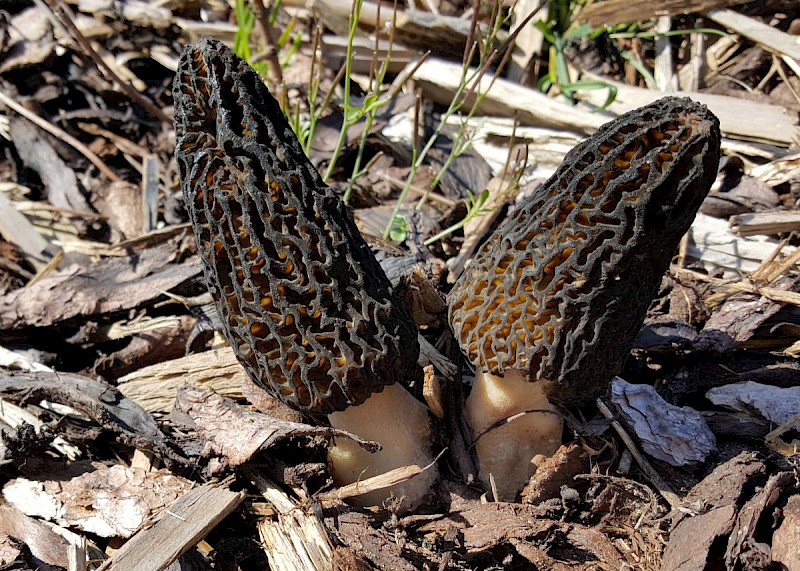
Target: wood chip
x=744 y=548
x=712 y=242
x=765 y=223
x=690 y=544
x=554 y=472
x=776 y=404
x=110 y=502
x=613 y=12
x=739 y=118
x=439 y=80
x=739 y=317
x=176 y=529
x=37 y=153
x=15 y=228
x=106 y=287
x=676 y=435
x=155 y=387
x=45 y=544
x=765 y=35
x=296 y=538
x=786 y=539
x=98 y=400
x=237 y=434
x=710 y=513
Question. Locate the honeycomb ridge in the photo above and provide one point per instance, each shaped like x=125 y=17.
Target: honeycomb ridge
x=562 y=286
x=306 y=307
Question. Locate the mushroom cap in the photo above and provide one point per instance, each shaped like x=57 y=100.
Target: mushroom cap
x=561 y=288
x=306 y=307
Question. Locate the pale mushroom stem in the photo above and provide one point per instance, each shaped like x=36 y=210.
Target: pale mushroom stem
x=400 y=423
x=507 y=450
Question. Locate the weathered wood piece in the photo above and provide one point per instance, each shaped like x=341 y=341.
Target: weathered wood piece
x=439 y=80
x=743 y=545
x=663 y=69
x=765 y=223
x=776 y=404
x=765 y=35
x=108 y=502
x=529 y=39
x=44 y=543
x=176 y=529
x=110 y=286
x=712 y=242
x=442 y=35
x=101 y=402
x=715 y=500
x=334 y=51
x=296 y=538
x=155 y=387
x=15 y=228
x=739 y=317
x=59 y=180
x=486 y=526
x=738 y=118
x=676 y=435
x=237 y=434
x=16 y=417
x=619 y=11
x=786 y=539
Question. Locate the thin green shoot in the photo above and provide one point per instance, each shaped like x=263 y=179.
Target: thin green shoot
x=475 y=208
x=373 y=101
x=468 y=86
x=458 y=147
x=395 y=218
x=274 y=11
x=293 y=43
x=351 y=114
x=302 y=127
x=419 y=156
x=589 y=85
x=245 y=22
x=640 y=67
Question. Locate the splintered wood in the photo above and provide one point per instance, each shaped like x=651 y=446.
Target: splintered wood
x=612 y=12
x=177 y=529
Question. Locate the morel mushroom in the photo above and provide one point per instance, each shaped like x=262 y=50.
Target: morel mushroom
x=553 y=301
x=307 y=309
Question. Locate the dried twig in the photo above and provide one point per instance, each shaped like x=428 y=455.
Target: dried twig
x=655 y=478
x=56 y=132
x=379 y=482
x=62 y=11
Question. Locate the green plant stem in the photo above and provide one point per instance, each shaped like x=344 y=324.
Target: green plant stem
x=447 y=231
x=475 y=208
x=351 y=34
x=368 y=121
x=468 y=84
x=312 y=93
x=376 y=80
x=416 y=163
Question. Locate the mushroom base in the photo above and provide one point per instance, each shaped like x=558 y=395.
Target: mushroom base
x=506 y=451
x=400 y=423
